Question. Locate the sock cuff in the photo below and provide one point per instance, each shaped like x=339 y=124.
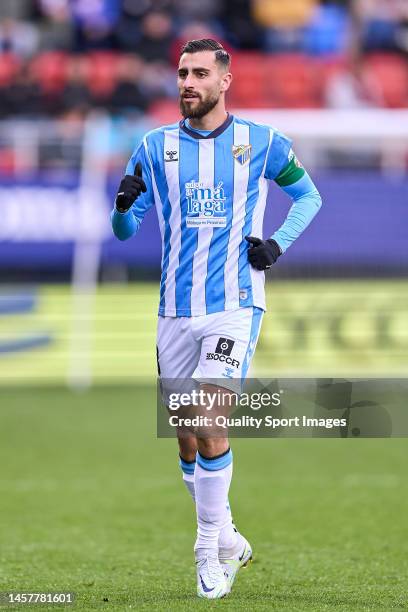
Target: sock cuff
x=215 y=463
x=187 y=467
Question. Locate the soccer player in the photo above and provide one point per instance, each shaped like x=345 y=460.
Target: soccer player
x=208 y=179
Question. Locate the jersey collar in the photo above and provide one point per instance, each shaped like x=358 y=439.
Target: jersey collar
x=213 y=134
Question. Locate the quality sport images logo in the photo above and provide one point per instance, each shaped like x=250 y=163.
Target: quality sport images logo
x=205 y=205
x=223 y=351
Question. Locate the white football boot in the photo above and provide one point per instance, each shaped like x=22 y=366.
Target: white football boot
x=211 y=581
x=232 y=560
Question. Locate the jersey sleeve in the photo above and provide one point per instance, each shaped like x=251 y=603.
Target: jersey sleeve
x=278 y=155
x=306 y=202
x=125 y=225
x=283 y=167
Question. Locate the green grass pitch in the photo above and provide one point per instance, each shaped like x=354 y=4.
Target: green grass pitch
x=312 y=328
x=92 y=502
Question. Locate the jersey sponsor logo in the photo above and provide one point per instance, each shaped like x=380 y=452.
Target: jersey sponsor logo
x=228 y=372
x=242 y=153
x=223 y=351
x=170 y=156
x=205 y=205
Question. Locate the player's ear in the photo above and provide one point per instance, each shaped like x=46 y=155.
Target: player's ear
x=226 y=81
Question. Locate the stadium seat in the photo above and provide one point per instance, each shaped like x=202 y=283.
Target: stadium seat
x=102 y=72
x=328 y=67
x=248 y=86
x=9 y=66
x=50 y=69
x=292 y=81
x=391 y=73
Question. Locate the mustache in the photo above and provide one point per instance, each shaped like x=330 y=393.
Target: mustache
x=190 y=92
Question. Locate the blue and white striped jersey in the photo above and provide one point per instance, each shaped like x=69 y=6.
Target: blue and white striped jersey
x=209 y=192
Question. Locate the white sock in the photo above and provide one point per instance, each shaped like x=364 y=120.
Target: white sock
x=189 y=482
x=212 y=478
x=228 y=535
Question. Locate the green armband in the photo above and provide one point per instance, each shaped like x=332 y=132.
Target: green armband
x=290 y=173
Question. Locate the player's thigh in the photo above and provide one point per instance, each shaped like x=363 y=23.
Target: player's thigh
x=228 y=345
x=178 y=352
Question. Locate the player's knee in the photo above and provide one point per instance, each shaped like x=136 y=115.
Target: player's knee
x=212 y=447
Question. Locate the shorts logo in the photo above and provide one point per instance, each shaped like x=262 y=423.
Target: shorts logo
x=222 y=353
x=242 y=153
x=224 y=346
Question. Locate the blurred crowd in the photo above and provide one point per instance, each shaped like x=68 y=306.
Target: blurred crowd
x=64 y=56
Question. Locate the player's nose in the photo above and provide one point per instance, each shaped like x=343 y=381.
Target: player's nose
x=188 y=81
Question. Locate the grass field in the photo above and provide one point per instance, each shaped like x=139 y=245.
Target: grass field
x=312 y=328
x=92 y=502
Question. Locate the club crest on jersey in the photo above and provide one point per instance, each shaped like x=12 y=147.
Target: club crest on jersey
x=242 y=153
x=205 y=205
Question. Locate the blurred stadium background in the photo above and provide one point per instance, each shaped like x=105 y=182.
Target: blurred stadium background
x=81 y=82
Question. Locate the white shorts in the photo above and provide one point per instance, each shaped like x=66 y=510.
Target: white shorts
x=216 y=346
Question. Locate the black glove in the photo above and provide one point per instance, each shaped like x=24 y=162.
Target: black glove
x=262 y=253
x=130 y=189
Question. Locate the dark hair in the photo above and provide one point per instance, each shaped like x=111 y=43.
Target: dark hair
x=208 y=44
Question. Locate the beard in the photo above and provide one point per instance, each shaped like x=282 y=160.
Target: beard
x=202 y=108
